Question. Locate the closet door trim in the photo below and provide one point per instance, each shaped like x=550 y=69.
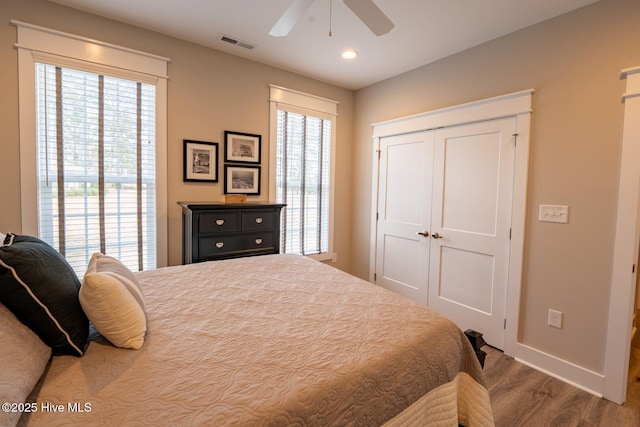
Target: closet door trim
x=513 y=104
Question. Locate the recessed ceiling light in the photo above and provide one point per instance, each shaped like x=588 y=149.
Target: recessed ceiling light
x=349 y=54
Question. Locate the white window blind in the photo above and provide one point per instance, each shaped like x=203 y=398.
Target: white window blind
x=303 y=162
x=303 y=129
x=96 y=166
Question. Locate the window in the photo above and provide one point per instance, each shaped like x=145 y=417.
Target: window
x=92 y=148
x=303 y=129
x=96 y=166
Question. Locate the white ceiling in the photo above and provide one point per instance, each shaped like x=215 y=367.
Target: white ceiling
x=425 y=30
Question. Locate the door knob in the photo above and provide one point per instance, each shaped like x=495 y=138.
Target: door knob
x=437 y=236
x=424 y=233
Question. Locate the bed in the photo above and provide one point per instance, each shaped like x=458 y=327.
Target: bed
x=272 y=340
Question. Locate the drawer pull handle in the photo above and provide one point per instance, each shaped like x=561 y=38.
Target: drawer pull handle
x=219 y=245
x=258 y=220
x=219 y=221
x=258 y=241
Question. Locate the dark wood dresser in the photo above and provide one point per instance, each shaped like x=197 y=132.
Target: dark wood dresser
x=213 y=230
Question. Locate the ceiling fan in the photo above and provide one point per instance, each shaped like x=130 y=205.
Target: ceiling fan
x=366 y=10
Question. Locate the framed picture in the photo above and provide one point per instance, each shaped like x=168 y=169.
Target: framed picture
x=200 y=161
x=242 y=180
x=242 y=147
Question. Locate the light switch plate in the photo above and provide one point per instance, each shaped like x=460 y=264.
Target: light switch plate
x=554 y=213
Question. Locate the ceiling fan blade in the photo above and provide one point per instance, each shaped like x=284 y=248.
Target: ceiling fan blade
x=371 y=16
x=290 y=17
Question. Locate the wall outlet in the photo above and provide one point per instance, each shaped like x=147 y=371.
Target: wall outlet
x=334 y=258
x=555 y=319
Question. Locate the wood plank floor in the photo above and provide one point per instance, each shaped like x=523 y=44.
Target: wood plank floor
x=522 y=396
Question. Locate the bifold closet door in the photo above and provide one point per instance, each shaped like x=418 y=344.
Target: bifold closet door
x=404 y=211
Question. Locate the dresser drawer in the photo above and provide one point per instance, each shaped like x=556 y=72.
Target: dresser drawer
x=210 y=247
x=255 y=221
x=219 y=222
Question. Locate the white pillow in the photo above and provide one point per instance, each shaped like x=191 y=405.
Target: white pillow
x=111 y=298
x=23 y=359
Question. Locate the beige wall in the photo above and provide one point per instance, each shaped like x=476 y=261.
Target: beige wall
x=208 y=92
x=573 y=62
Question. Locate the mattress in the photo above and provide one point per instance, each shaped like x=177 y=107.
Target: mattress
x=273 y=340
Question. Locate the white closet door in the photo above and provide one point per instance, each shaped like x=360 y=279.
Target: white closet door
x=404 y=210
x=472 y=200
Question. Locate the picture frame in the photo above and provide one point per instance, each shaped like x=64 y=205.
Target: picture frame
x=242 y=180
x=242 y=147
x=200 y=161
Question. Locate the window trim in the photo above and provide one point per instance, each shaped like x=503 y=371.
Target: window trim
x=303 y=103
x=39 y=44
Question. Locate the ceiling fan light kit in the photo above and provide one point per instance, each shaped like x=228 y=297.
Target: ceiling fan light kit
x=365 y=10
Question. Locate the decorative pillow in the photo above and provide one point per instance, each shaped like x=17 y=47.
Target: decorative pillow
x=41 y=290
x=23 y=359
x=111 y=297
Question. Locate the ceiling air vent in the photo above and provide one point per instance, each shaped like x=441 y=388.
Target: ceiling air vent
x=234 y=41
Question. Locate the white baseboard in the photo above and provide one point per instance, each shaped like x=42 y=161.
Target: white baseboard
x=570 y=373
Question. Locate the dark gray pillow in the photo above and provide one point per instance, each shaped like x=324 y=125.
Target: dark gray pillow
x=41 y=290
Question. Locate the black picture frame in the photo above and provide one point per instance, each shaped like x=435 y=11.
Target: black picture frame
x=242 y=180
x=200 y=161
x=240 y=147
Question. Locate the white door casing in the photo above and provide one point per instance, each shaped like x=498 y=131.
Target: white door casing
x=625 y=255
